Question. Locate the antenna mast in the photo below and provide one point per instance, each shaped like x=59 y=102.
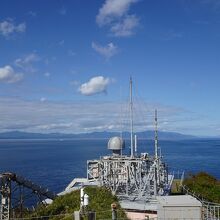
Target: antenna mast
x=156 y=136
x=131 y=118
x=121 y=132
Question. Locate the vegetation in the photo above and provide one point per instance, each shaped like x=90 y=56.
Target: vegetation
x=205 y=186
x=63 y=207
x=100 y=200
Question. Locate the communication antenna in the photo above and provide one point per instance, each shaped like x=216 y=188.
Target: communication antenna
x=156 y=176
x=121 y=126
x=135 y=144
x=131 y=118
x=156 y=136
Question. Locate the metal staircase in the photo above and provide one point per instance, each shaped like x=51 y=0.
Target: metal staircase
x=13 y=185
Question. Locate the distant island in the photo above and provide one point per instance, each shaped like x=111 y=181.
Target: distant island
x=95 y=135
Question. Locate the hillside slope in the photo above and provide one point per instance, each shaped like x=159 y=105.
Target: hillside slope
x=62 y=207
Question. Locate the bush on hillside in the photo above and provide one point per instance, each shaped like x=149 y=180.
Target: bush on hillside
x=204 y=185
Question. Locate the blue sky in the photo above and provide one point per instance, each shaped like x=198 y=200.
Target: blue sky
x=65 y=65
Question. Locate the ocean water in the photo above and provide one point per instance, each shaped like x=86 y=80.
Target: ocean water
x=54 y=163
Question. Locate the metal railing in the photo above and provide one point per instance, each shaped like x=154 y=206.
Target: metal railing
x=210 y=210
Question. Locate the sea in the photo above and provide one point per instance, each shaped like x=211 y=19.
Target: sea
x=54 y=163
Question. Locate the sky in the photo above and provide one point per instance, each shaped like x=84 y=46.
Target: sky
x=65 y=65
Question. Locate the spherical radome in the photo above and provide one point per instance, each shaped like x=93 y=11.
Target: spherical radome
x=116 y=143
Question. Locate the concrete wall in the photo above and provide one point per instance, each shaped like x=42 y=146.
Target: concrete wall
x=177 y=213
x=140 y=215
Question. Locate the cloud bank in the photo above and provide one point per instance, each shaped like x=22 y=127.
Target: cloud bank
x=80 y=117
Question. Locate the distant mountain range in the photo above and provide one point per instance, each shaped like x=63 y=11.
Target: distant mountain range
x=94 y=135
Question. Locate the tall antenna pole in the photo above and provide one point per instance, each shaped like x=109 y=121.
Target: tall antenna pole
x=157 y=176
x=156 y=136
x=135 y=144
x=121 y=132
x=131 y=118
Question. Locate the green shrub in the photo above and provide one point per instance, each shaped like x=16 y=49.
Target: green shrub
x=100 y=200
x=204 y=185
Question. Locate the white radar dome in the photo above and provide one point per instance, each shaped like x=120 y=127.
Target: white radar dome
x=116 y=143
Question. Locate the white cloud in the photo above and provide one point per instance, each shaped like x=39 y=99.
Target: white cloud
x=114 y=14
x=95 y=85
x=54 y=126
x=125 y=27
x=107 y=51
x=27 y=59
x=113 y=9
x=26 y=62
x=8 y=27
x=8 y=75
